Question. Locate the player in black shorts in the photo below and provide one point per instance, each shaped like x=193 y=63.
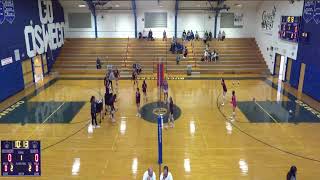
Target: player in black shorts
x=224 y=88
x=144 y=90
x=171 y=119
x=135 y=78
x=138 y=102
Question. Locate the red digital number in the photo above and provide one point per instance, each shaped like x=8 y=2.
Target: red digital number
x=5 y=168
x=9 y=157
x=37 y=168
x=36 y=157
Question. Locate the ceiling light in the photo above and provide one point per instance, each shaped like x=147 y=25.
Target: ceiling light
x=238 y=5
x=117 y=5
x=82 y=5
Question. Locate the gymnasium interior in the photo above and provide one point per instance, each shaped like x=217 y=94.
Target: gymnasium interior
x=232 y=89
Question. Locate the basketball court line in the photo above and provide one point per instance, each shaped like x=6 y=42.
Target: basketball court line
x=266 y=112
x=41 y=124
x=263 y=142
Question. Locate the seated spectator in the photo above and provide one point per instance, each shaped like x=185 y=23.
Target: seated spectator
x=164 y=36
x=185 y=52
x=207 y=47
x=149 y=175
x=197 y=36
x=166 y=175
x=210 y=36
x=140 y=35
x=219 y=36
x=188 y=36
x=173 y=45
x=192 y=35
x=98 y=63
x=292 y=173
x=177 y=59
x=223 y=36
x=206 y=55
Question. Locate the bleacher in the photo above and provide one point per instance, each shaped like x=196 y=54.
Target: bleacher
x=78 y=57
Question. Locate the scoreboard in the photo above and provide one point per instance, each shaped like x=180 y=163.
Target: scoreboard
x=20 y=158
x=290 y=26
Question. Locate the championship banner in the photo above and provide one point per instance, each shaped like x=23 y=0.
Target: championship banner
x=160 y=120
x=160 y=74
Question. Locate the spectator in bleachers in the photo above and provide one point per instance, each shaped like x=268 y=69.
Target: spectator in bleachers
x=205 y=37
x=184 y=35
x=149 y=175
x=292 y=173
x=185 y=52
x=140 y=35
x=214 y=55
x=164 y=35
x=166 y=175
x=150 y=35
x=219 y=36
x=206 y=55
x=98 y=63
x=177 y=59
x=188 y=36
x=192 y=35
x=197 y=36
x=210 y=36
x=223 y=36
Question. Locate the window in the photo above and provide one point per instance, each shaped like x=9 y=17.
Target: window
x=79 y=20
x=155 y=20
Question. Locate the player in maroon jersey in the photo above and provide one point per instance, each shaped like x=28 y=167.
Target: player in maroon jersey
x=224 y=92
x=144 y=90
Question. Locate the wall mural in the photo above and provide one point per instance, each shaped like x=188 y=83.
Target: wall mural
x=311 y=12
x=268 y=19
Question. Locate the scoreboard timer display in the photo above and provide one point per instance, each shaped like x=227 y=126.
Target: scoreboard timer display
x=290 y=27
x=20 y=158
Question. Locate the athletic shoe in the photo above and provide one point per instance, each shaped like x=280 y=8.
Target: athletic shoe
x=97 y=126
x=222 y=104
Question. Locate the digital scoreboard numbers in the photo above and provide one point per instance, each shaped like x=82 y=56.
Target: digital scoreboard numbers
x=20 y=158
x=290 y=27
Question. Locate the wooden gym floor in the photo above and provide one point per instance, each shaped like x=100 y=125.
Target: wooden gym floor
x=265 y=139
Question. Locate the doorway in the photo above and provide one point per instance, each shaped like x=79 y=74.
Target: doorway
x=37 y=68
x=280 y=67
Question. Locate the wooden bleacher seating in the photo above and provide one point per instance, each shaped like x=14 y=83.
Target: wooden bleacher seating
x=78 y=56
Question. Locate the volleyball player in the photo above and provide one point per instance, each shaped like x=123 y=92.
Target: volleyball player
x=171 y=119
x=138 y=102
x=134 y=78
x=165 y=90
x=144 y=89
x=113 y=109
x=234 y=104
x=93 y=112
x=224 y=88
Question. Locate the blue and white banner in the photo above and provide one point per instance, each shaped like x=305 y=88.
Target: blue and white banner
x=316 y=13
x=1 y=12
x=160 y=120
x=308 y=11
x=9 y=13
